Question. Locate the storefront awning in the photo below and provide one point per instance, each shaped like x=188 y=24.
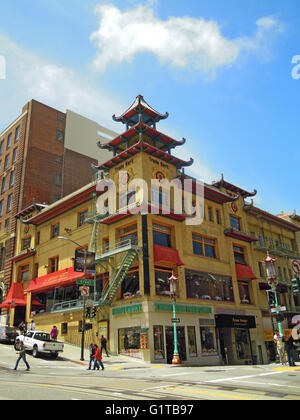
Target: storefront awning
x=164 y=254
x=62 y=278
x=244 y=272
x=15 y=296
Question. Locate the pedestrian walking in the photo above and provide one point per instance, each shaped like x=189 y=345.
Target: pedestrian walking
x=104 y=345
x=22 y=355
x=22 y=328
x=32 y=325
x=92 y=353
x=278 y=339
x=97 y=358
x=54 y=333
x=290 y=349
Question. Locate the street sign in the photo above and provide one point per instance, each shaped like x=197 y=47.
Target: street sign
x=85 y=282
x=278 y=309
x=175 y=320
x=85 y=291
x=295 y=266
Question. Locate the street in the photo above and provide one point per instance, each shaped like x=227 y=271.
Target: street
x=130 y=380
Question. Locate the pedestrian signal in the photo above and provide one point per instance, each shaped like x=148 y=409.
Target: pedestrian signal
x=296 y=286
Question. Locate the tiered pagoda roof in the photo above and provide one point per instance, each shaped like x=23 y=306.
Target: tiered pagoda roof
x=141 y=136
x=233 y=188
x=140 y=107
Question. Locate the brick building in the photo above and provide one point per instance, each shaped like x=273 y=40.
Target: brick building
x=45 y=154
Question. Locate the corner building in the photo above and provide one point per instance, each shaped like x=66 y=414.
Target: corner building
x=138 y=245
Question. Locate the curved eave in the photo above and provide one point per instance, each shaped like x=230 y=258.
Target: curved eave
x=233 y=188
x=140 y=106
x=270 y=218
x=61 y=207
x=147 y=148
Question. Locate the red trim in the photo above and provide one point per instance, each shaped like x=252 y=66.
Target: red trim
x=62 y=278
x=23 y=255
x=239 y=235
x=164 y=254
x=244 y=272
x=253 y=211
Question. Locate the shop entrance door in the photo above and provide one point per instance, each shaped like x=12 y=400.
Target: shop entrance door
x=170 y=343
x=226 y=345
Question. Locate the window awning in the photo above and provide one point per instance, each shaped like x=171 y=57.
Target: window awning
x=165 y=254
x=15 y=296
x=244 y=272
x=62 y=278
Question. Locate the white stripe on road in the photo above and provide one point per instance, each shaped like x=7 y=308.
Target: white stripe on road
x=243 y=377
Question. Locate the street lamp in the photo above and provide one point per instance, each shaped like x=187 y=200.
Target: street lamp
x=272 y=279
x=176 y=359
x=83 y=297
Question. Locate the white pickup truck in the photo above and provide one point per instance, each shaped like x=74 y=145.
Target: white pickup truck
x=40 y=342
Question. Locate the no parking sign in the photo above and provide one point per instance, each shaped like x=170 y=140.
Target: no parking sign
x=295 y=267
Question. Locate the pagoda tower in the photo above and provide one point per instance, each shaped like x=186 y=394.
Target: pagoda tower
x=141 y=135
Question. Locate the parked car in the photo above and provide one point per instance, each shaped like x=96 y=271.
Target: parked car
x=40 y=342
x=8 y=334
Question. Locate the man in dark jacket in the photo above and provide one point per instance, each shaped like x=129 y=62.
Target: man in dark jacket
x=92 y=353
x=290 y=349
x=104 y=345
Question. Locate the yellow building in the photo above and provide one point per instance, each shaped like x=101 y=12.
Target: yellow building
x=143 y=237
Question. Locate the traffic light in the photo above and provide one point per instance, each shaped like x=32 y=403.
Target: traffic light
x=94 y=312
x=296 y=286
x=88 y=312
x=271 y=298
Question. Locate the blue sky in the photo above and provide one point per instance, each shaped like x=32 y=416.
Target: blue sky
x=223 y=71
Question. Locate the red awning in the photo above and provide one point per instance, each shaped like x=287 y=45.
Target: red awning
x=244 y=272
x=164 y=254
x=15 y=296
x=52 y=281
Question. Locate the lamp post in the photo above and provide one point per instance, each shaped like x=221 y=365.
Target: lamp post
x=272 y=279
x=173 y=288
x=83 y=297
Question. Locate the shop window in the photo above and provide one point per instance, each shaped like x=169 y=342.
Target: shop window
x=130 y=341
x=239 y=255
x=162 y=284
x=235 y=222
x=159 y=349
x=162 y=235
x=53 y=264
x=130 y=285
x=242 y=342
x=201 y=285
x=24 y=273
x=192 y=341
x=244 y=291
x=208 y=341
x=203 y=246
x=128 y=234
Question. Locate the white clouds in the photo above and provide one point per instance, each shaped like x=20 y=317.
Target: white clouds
x=182 y=42
x=31 y=77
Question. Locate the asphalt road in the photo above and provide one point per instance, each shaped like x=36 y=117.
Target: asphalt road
x=124 y=382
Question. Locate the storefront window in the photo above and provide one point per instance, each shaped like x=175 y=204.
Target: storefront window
x=208 y=341
x=158 y=335
x=130 y=341
x=242 y=342
x=208 y=286
x=162 y=284
x=192 y=341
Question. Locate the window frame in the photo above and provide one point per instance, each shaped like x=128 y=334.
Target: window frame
x=204 y=243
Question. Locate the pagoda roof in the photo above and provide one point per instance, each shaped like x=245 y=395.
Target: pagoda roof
x=233 y=188
x=142 y=146
x=140 y=106
x=141 y=127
